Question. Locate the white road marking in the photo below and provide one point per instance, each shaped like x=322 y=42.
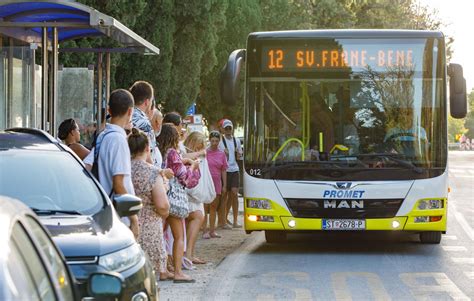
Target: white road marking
x=279 y=279
x=454 y=248
x=342 y=292
x=463 y=260
x=469 y=275
x=426 y=292
x=461 y=173
x=450 y=237
x=462 y=221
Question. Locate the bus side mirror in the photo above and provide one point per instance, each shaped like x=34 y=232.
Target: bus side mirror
x=457 y=91
x=229 y=77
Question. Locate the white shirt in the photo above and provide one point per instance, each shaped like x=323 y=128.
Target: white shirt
x=159 y=158
x=231 y=160
x=114 y=158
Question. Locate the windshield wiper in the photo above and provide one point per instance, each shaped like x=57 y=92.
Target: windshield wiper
x=393 y=157
x=54 y=211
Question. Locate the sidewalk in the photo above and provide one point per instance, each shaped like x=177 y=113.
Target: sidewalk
x=211 y=250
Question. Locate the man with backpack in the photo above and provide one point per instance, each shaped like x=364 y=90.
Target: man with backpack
x=110 y=160
x=233 y=150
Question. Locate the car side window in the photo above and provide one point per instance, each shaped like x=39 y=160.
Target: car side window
x=19 y=282
x=35 y=265
x=59 y=270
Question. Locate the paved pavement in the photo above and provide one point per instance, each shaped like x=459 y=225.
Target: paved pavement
x=361 y=266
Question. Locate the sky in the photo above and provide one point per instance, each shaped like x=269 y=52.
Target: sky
x=458 y=17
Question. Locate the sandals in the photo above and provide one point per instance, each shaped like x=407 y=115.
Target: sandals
x=214 y=235
x=198 y=261
x=190 y=280
x=169 y=277
x=206 y=235
x=225 y=227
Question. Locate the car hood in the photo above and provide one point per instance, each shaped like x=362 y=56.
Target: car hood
x=88 y=236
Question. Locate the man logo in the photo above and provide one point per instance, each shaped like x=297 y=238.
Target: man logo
x=343 y=185
x=343 y=204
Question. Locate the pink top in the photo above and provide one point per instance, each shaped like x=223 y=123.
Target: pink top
x=217 y=162
x=187 y=177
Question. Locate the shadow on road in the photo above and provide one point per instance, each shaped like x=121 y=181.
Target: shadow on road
x=352 y=243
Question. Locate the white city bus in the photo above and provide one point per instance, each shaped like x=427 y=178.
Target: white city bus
x=345 y=130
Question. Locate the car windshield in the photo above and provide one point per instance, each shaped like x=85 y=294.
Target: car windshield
x=49 y=181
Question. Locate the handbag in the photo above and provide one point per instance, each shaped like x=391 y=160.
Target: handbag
x=204 y=192
x=178 y=199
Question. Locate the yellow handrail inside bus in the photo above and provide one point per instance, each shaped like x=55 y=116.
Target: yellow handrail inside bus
x=285 y=143
x=306 y=118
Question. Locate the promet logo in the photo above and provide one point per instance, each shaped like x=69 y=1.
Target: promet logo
x=343 y=192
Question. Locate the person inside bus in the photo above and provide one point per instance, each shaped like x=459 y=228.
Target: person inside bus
x=68 y=131
x=406 y=136
x=321 y=122
x=344 y=124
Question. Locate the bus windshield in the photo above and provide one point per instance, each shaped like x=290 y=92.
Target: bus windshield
x=366 y=109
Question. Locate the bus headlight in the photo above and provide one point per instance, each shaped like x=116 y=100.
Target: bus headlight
x=259 y=204
x=430 y=204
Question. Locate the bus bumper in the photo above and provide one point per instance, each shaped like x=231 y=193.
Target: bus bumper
x=278 y=218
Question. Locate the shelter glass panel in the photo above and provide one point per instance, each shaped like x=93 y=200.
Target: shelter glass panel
x=76 y=100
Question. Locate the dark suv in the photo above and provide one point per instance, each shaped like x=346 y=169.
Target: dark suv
x=32 y=268
x=48 y=177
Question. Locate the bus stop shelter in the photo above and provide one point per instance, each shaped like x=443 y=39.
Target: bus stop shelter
x=29 y=27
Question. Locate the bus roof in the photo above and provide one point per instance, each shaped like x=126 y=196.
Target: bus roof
x=346 y=33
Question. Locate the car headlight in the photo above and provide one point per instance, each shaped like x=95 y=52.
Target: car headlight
x=430 y=204
x=259 y=204
x=121 y=260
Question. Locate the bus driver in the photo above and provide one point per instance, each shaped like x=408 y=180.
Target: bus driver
x=406 y=135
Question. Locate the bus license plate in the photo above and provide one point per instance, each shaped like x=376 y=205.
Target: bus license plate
x=343 y=224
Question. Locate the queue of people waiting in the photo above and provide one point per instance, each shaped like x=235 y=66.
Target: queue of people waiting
x=465 y=143
x=182 y=181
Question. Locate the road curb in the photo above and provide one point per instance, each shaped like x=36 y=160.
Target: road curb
x=222 y=284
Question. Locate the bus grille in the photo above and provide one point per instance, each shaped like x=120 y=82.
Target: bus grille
x=372 y=208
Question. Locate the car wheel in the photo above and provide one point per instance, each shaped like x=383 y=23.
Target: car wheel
x=433 y=237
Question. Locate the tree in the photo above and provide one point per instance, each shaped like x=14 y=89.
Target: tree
x=469 y=123
x=455 y=127
x=196 y=36
x=242 y=17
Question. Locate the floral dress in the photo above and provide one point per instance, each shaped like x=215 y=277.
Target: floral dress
x=151 y=224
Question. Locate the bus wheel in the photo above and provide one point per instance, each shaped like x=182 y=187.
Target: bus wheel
x=275 y=237
x=430 y=237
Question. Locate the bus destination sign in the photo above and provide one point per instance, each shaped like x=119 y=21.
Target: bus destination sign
x=355 y=57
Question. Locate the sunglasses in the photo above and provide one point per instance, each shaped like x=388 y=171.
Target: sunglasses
x=214 y=135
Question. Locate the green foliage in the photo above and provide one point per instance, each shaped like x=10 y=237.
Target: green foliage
x=455 y=127
x=469 y=123
x=195 y=38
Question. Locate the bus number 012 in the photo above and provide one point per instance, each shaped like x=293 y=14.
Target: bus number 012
x=255 y=172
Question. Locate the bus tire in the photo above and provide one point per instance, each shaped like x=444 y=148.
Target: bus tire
x=432 y=237
x=275 y=237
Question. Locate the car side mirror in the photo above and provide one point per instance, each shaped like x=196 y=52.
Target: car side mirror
x=127 y=204
x=457 y=91
x=229 y=77
x=103 y=285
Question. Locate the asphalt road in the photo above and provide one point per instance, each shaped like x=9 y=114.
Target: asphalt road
x=361 y=266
